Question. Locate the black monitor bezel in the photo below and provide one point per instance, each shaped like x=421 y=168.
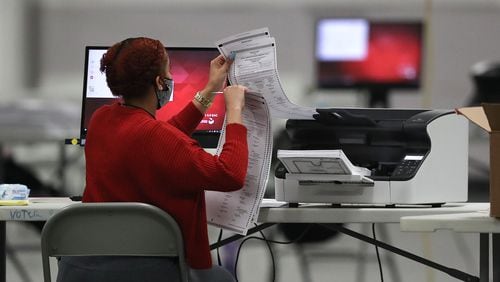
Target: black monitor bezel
x=206 y=139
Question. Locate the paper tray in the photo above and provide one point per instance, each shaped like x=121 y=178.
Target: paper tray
x=335 y=179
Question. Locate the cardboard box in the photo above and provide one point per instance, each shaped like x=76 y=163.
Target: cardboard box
x=488 y=117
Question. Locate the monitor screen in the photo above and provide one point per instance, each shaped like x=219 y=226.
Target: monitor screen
x=362 y=53
x=190 y=69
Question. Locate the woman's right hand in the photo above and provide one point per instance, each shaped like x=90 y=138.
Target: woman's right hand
x=234 y=97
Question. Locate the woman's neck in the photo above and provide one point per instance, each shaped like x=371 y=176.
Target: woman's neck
x=147 y=103
x=140 y=105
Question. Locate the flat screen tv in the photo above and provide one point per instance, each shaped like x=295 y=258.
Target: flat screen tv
x=373 y=55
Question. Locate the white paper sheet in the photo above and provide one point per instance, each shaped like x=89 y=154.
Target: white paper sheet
x=238 y=210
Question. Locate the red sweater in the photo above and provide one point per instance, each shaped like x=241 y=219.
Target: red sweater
x=132 y=157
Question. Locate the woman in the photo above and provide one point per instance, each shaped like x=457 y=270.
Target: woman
x=132 y=157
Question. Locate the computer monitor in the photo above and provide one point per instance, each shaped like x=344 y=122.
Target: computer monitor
x=190 y=69
x=377 y=56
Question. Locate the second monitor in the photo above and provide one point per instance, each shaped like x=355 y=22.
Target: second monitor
x=372 y=55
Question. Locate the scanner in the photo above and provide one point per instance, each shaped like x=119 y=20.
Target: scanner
x=416 y=156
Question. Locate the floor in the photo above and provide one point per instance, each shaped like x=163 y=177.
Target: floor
x=340 y=258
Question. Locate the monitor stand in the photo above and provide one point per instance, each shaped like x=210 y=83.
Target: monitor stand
x=379 y=97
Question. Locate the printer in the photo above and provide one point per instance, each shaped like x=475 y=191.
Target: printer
x=415 y=156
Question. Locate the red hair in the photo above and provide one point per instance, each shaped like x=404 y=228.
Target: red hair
x=132 y=65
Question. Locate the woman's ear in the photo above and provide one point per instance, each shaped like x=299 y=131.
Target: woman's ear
x=159 y=84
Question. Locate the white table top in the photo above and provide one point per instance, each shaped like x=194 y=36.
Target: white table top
x=318 y=213
x=40 y=209
x=477 y=222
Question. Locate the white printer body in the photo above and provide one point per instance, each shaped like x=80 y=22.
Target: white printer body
x=415 y=157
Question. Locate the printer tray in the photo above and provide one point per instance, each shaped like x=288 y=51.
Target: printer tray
x=305 y=179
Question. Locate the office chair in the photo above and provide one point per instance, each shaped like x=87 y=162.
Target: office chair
x=118 y=229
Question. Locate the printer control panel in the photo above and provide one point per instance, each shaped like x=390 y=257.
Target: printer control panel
x=408 y=166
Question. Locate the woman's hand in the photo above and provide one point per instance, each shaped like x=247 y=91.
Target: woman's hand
x=217 y=77
x=218 y=73
x=234 y=97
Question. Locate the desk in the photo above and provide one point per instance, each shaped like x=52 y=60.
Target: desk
x=35 y=211
x=322 y=213
x=472 y=222
x=29 y=120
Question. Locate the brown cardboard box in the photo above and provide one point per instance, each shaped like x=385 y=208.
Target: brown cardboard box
x=488 y=118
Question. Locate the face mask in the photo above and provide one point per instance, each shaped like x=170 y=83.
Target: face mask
x=165 y=95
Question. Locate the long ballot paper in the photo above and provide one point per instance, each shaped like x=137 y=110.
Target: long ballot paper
x=255 y=66
x=238 y=210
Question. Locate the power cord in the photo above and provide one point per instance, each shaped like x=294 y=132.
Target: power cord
x=271 y=253
x=218 y=253
x=270 y=249
x=378 y=255
x=268 y=243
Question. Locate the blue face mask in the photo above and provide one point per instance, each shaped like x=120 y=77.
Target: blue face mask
x=165 y=95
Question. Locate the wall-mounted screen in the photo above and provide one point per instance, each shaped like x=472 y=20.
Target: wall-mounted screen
x=368 y=54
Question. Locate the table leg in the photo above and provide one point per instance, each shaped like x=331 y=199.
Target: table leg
x=484 y=257
x=238 y=236
x=3 y=266
x=496 y=257
x=450 y=271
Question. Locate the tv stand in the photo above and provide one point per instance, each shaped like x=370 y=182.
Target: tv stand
x=379 y=97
